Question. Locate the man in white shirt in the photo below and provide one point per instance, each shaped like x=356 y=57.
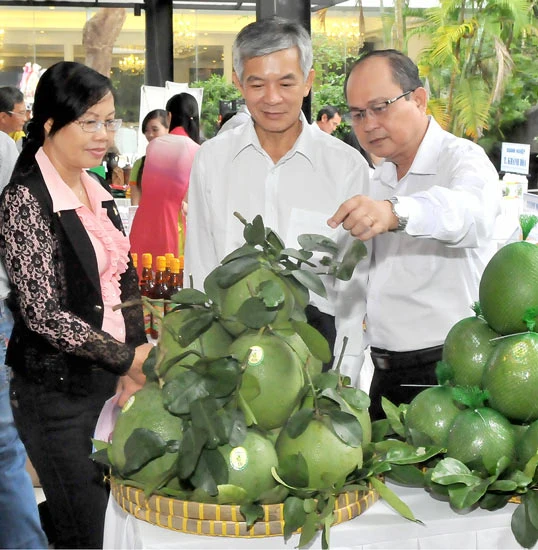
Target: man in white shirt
x=431 y=213
x=278 y=166
x=328 y=119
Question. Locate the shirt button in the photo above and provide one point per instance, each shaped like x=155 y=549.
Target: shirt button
x=97 y=308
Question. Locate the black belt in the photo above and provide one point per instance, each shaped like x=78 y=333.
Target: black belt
x=388 y=360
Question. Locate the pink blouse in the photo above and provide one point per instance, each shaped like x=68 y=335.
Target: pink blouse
x=110 y=245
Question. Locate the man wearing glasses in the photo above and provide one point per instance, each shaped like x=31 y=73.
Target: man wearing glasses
x=431 y=214
x=13 y=114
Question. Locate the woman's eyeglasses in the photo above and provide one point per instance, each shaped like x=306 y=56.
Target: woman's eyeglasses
x=92 y=126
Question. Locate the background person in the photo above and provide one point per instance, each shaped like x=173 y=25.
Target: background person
x=13 y=113
x=67 y=258
x=279 y=166
x=19 y=519
x=431 y=214
x=328 y=119
x=157 y=226
x=155 y=124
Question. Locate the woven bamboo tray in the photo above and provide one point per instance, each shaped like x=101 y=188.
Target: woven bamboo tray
x=223 y=520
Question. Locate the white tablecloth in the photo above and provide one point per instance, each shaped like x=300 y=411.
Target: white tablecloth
x=380 y=527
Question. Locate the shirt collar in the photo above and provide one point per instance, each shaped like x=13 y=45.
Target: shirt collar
x=62 y=196
x=247 y=137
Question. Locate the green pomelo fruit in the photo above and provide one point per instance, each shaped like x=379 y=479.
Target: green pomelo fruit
x=479 y=438
x=328 y=458
x=145 y=409
x=429 y=417
x=213 y=342
x=232 y=298
x=509 y=286
x=511 y=377
x=527 y=446
x=467 y=348
x=272 y=380
x=249 y=465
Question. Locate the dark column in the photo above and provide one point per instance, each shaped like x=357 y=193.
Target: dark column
x=295 y=10
x=159 y=42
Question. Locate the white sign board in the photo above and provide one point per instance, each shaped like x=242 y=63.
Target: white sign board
x=515 y=157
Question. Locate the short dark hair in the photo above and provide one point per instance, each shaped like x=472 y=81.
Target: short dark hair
x=185 y=113
x=328 y=110
x=404 y=71
x=65 y=91
x=159 y=114
x=9 y=97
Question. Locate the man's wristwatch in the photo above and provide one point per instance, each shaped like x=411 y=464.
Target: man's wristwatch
x=399 y=212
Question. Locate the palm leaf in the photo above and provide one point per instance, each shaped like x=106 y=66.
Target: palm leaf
x=471 y=107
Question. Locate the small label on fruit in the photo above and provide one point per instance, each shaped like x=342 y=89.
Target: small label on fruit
x=255 y=357
x=128 y=404
x=238 y=458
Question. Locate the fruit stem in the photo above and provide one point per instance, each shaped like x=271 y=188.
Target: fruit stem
x=340 y=359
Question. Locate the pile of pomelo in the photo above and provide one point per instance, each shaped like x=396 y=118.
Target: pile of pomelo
x=485 y=413
x=236 y=409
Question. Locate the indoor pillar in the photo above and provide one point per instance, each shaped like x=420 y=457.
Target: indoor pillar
x=159 y=42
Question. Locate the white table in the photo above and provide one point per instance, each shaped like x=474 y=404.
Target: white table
x=380 y=527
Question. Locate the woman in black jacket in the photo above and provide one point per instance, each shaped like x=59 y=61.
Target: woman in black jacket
x=68 y=261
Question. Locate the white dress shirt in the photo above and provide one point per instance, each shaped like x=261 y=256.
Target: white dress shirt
x=424 y=279
x=298 y=194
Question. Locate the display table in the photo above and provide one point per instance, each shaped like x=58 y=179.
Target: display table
x=380 y=527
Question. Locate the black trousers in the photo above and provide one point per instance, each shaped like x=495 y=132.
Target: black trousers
x=400 y=376
x=57 y=428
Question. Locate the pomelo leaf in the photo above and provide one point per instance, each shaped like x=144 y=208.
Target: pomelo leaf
x=245 y=250
x=101 y=455
x=211 y=287
x=353 y=255
x=210 y=471
x=450 y=470
x=325 y=380
x=271 y=293
x=254 y=232
x=355 y=398
x=148 y=368
x=529 y=318
x=231 y=494
x=293 y=471
x=100 y=445
x=141 y=447
x=444 y=372
x=472 y=397
x=182 y=390
x=532 y=507
x=527 y=223
x=197 y=324
x=273 y=240
x=317 y=243
x=254 y=314
x=465 y=496
x=347 y=428
x=190 y=296
x=314 y=340
x=250 y=386
x=190 y=447
x=298 y=423
x=301 y=255
x=252 y=512
x=524 y=531
x=309 y=505
x=394 y=415
x=492 y=501
x=294 y=516
x=406 y=474
x=393 y=500
x=235 y=424
x=308 y=530
x=222 y=376
x=228 y=274
x=311 y=281
x=504 y=486
x=399 y=452
x=245 y=408
x=205 y=418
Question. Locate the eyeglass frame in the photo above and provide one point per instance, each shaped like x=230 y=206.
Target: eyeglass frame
x=25 y=114
x=99 y=125
x=382 y=105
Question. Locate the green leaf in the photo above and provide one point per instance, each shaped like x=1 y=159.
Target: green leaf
x=399 y=452
x=355 y=253
x=314 y=340
x=148 y=368
x=190 y=296
x=254 y=232
x=393 y=500
x=252 y=513
x=346 y=427
x=523 y=529
x=231 y=494
x=355 y=398
x=301 y=255
x=101 y=455
x=444 y=372
x=273 y=240
x=204 y=416
x=450 y=470
x=100 y=445
x=190 y=447
x=271 y=293
x=394 y=414
x=182 y=390
x=504 y=485
x=228 y=274
x=293 y=471
x=210 y=472
x=470 y=396
x=531 y=502
x=294 y=516
x=254 y=313
x=529 y=318
x=492 y=501
x=194 y=326
x=310 y=280
x=245 y=250
x=309 y=530
x=317 y=243
x=406 y=474
x=298 y=423
x=222 y=376
x=527 y=223
x=465 y=496
x=236 y=427
x=141 y=447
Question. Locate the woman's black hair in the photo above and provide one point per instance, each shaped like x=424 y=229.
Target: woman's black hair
x=184 y=110
x=159 y=114
x=65 y=91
